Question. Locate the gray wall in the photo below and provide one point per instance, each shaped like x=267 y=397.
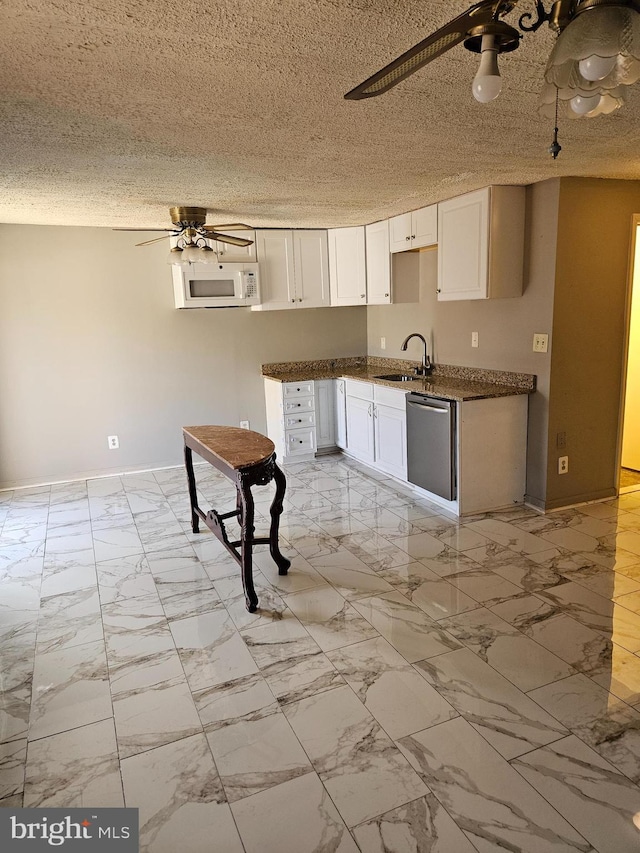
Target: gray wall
x=91 y=346
x=505 y=326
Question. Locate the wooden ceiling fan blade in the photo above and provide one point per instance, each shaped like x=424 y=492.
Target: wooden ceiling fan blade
x=228 y=226
x=429 y=49
x=172 y=230
x=224 y=238
x=155 y=240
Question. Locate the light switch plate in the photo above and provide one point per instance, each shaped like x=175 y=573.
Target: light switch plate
x=540 y=342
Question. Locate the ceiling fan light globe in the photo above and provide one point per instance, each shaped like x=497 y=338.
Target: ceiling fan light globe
x=191 y=254
x=207 y=256
x=599 y=48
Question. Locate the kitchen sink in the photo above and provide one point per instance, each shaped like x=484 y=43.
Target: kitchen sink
x=399 y=377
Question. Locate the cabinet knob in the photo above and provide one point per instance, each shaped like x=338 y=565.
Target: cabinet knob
x=293 y=300
x=362 y=295
x=413 y=236
x=386 y=294
x=438 y=290
x=407 y=238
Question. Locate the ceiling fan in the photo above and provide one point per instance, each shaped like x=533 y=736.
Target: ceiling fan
x=192 y=234
x=597 y=53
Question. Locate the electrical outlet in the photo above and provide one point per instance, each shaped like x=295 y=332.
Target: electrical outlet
x=113 y=442
x=383 y=343
x=563 y=464
x=540 y=342
x=474 y=339
x=244 y=424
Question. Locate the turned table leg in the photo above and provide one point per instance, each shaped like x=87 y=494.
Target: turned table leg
x=276 y=511
x=193 y=495
x=246 y=544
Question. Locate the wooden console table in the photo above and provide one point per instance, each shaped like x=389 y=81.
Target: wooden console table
x=247 y=459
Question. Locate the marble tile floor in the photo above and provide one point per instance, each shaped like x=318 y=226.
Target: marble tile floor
x=416 y=684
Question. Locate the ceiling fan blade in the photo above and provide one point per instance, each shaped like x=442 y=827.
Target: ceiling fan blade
x=155 y=240
x=224 y=238
x=145 y=229
x=429 y=48
x=230 y=226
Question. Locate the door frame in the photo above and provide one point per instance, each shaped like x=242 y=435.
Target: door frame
x=635 y=227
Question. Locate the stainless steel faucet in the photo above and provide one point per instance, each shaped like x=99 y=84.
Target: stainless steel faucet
x=427 y=365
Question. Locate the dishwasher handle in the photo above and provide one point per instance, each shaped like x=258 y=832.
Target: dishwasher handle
x=428 y=406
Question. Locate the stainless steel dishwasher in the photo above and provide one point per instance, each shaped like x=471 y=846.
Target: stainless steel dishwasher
x=431 y=448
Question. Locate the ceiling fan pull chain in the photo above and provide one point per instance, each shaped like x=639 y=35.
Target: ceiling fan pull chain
x=555 y=148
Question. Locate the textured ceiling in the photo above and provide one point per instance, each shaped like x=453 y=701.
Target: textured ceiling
x=111 y=111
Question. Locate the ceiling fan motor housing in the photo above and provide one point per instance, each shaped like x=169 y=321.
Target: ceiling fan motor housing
x=188 y=217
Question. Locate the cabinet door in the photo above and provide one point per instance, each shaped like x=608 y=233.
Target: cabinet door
x=325 y=430
x=391 y=440
x=341 y=414
x=463 y=246
x=378 y=263
x=400 y=232
x=360 y=428
x=424 y=227
x=236 y=254
x=276 y=270
x=311 y=260
x=347 y=273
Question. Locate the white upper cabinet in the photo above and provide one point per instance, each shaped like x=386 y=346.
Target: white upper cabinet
x=347 y=266
x=378 y=263
x=293 y=269
x=229 y=254
x=275 y=270
x=414 y=230
x=481 y=244
x=311 y=267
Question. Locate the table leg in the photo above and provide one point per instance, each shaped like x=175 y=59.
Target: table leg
x=276 y=511
x=246 y=545
x=193 y=495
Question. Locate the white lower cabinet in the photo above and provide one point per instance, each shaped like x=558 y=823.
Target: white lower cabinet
x=376 y=426
x=360 y=428
x=325 y=414
x=390 y=432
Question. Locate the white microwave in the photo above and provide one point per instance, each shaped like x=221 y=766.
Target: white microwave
x=216 y=285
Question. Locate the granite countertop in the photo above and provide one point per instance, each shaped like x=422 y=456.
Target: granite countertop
x=450 y=382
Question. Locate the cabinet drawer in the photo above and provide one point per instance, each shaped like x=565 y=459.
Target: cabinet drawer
x=297 y=389
x=362 y=390
x=300 y=420
x=300 y=441
x=299 y=404
x=396 y=399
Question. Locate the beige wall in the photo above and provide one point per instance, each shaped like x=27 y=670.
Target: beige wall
x=505 y=326
x=592 y=269
x=91 y=345
x=631 y=436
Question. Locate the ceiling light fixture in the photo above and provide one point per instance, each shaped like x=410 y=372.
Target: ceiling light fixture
x=191 y=235
x=596 y=55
